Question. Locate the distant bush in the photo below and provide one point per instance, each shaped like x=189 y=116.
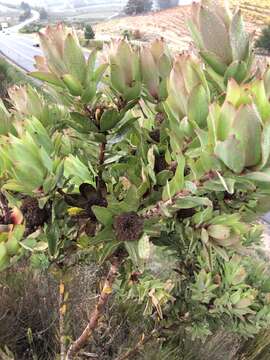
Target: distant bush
x=43 y=14
x=31 y=28
x=89 y=32
x=132 y=34
x=264 y=39
x=25 y=15
x=25 y=6
x=135 y=7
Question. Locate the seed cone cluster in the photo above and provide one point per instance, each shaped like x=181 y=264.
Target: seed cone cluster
x=160 y=163
x=33 y=215
x=155 y=135
x=128 y=226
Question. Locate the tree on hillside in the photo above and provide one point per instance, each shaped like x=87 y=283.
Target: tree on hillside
x=263 y=40
x=43 y=14
x=89 y=32
x=164 y=4
x=135 y=7
x=25 y=6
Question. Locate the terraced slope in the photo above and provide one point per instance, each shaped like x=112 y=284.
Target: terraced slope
x=256 y=11
x=171 y=23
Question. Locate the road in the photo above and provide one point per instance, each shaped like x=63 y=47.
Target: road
x=20 y=48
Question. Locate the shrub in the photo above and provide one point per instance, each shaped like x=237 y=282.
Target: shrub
x=43 y=14
x=155 y=169
x=25 y=15
x=31 y=28
x=89 y=32
x=263 y=40
x=135 y=7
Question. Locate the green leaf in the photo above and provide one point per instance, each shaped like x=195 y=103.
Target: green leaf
x=105 y=235
x=239 y=37
x=74 y=59
x=237 y=70
x=196 y=36
x=214 y=61
x=73 y=85
x=82 y=123
x=133 y=92
x=203 y=216
x=48 y=77
x=247 y=129
x=90 y=66
x=100 y=70
x=107 y=250
x=198 y=105
x=189 y=202
x=4 y=258
x=227 y=183
x=90 y=92
x=109 y=119
x=260 y=98
x=163 y=176
x=103 y=215
x=177 y=182
x=258 y=176
x=52 y=235
x=225 y=120
x=220 y=232
x=265 y=145
x=214 y=34
x=231 y=152
x=144 y=247
x=133 y=251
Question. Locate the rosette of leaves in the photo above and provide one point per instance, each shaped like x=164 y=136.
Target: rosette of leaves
x=156 y=65
x=64 y=63
x=239 y=129
x=222 y=41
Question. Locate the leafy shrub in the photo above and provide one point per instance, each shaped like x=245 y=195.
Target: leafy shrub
x=156 y=169
x=43 y=14
x=89 y=32
x=31 y=28
x=25 y=15
x=263 y=40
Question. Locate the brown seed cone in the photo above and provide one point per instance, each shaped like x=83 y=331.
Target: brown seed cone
x=160 y=163
x=128 y=226
x=33 y=215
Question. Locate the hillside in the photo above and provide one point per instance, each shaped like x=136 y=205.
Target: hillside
x=171 y=23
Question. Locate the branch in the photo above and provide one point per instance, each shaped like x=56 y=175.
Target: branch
x=98 y=311
x=4 y=207
x=157 y=211
x=62 y=311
